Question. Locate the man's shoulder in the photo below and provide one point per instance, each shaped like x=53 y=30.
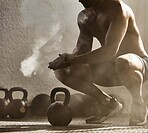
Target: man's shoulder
x=85 y=15
x=115 y=7
x=120 y=8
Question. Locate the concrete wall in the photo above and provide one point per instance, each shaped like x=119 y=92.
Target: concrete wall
x=33 y=32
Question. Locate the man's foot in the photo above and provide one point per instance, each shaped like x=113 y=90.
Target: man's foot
x=111 y=109
x=139 y=115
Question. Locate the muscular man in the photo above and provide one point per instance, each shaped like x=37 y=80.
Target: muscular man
x=121 y=59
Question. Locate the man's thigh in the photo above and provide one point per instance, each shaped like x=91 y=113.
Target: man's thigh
x=105 y=75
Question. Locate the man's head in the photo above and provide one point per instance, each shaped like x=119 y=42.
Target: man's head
x=88 y=3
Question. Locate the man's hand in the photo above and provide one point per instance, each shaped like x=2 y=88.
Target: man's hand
x=63 y=61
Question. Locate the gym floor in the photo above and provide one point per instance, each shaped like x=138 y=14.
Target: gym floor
x=118 y=124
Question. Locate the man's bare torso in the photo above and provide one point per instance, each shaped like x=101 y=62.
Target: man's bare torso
x=113 y=23
x=97 y=23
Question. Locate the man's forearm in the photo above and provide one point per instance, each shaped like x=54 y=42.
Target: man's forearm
x=80 y=51
x=100 y=55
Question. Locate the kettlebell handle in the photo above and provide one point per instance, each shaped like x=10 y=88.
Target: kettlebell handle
x=25 y=93
x=6 y=92
x=60 y=89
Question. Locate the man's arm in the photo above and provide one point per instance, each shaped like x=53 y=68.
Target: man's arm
x=84 y=45
x=116 y=32
x=85 y=39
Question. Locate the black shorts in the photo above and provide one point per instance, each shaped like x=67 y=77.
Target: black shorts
x=145 y=70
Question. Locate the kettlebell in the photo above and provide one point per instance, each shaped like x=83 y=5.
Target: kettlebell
x=4 y=103
x=17 y=107
x=59 y=112
x=40 y=104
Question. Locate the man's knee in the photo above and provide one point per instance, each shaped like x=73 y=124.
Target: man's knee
x=81 y=72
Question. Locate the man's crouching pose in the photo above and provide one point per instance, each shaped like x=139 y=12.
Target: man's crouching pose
x=121 y=59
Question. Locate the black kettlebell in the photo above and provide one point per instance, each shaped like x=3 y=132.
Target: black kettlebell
x=59 y=113
x=40 y=104
x=17 y=107
x=4 y=103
